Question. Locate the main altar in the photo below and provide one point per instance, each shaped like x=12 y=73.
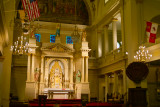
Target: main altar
x=58 y=70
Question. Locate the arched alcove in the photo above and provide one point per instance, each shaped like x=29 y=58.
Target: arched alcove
x=56 y=74
x=48 y=66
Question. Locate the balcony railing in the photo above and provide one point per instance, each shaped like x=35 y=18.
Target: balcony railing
x=109 y=58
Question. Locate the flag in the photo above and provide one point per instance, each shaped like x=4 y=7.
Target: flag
x=31 y=7
x=151 y=30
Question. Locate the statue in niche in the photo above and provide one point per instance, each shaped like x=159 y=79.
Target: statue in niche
x=78 y=76
x=84 y=35
x=58 y=30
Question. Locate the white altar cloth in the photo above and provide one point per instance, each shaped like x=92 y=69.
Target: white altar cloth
x=56 y=93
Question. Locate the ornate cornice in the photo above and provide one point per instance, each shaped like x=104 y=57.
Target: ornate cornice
x=58 y=47
x=85 y=50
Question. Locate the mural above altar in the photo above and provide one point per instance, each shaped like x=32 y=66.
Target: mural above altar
x=63 y=11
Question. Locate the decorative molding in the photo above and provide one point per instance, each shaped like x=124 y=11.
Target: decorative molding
x=114 y=19
x=85 y=50
x=58 y=47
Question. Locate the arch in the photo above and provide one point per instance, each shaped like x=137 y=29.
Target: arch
x=89 y=11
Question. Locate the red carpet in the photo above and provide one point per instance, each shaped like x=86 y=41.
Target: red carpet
x=70 y=103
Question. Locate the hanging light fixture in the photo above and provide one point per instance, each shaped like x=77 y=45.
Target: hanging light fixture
x=75 y=35
x=20 y=46
x=142 y=54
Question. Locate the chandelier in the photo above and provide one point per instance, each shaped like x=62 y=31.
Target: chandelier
x=75 y=35
x=142 y=54
x=20 y=46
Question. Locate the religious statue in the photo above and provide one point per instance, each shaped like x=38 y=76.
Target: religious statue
x=58 y=30
x=36 y=74
x=78 y=77
x=84 y=35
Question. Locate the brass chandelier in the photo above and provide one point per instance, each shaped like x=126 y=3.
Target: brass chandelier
x=20 y=46
x=142 y=54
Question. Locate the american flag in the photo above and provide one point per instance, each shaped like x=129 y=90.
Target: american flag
x=31 y=7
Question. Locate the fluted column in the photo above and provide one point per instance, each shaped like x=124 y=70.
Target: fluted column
x=114 y=28
x=32 y=72
x=105 y=40
x=42 y=69
x=86 y=61
x=29 y=68
x=82 y=78
x=71 y=70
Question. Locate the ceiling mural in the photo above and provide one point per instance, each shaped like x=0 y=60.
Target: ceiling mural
x=63 y=11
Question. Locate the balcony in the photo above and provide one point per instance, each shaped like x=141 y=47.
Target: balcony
x=108 y=59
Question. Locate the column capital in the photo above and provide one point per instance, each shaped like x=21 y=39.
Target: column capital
x=114 y=19
x=71 y=57
x=42 y=56
x=83 y=56
x=87 y=56
x=29 y=54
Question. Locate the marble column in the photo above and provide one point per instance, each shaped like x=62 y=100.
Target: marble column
x=29 y=68
x=114 y=28
x=71 y=70
x=32 y=72
x=115 y=83
x=99 y=43
x=106 y=87
x=122 y=27
x=105 y=40
x=42 y=69
x=82 y=72
x=86 y=69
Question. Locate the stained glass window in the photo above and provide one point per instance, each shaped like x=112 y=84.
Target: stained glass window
x=69 y=40
x=38 y=37
x=52 y=38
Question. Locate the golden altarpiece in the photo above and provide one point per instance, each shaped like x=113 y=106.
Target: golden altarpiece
x=57 y=70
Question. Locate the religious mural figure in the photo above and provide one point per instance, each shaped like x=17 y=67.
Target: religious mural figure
x=63 y=11
x=78 y=77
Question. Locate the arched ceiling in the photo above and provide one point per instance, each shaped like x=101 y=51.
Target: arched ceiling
x=63 y=11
